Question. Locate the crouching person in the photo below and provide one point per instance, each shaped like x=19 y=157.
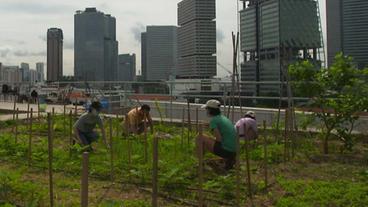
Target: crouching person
x=250 y=123
x=84 y=127
x=223 y=142
x=134 y=122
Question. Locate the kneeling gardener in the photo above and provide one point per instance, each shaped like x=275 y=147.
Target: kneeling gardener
x=84 y=127
x=223 y=141
x=134 y=122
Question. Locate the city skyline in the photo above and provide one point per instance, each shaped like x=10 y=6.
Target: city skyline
x=35 y=17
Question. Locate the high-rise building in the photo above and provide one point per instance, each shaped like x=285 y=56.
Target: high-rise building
x=160 y=54
x=197 y=39
x=347 y=29
x=95 y=46
x=144 y=56
x=275 y=33
x=54 y=54
x=127 y=67
x=12 y=75
x=24 y=67
x=40 y=71
x=33 y=76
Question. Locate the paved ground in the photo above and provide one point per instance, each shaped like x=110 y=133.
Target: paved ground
x=173 y=112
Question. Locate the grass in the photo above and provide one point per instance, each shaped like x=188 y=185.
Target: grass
x=309 y=179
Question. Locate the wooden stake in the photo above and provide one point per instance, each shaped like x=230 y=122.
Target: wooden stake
x=155 y=172
x=50 y=146
x=265 y=155
x=30 y=138
x=237 y=168
x=111 y=152
x=247 y=163
x=200 y=168
x=84 y=181
x=53 y=111
x=16 y=125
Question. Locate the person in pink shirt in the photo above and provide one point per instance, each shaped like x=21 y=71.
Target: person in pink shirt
x=250 y=122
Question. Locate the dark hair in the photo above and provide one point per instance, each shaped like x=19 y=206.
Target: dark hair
x=249 y=116
x=145 y=107
x=213 y=111
x=95 y=105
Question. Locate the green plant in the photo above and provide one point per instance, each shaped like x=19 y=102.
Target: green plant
x=337 y=94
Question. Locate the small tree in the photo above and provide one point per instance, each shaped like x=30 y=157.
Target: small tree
x=339 y=93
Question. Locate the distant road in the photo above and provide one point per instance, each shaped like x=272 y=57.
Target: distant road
x=176 y=114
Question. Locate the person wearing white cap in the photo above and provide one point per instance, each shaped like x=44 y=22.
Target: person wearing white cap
x=249 y=120
x=223 y=144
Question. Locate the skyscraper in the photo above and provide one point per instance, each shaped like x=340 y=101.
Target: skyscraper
x=274 y=34
x=40 y=71
x=95 y=46
x=347 y=29
x=127 y=67
x=24 y=68
x=160 y=54
x=54 y=54
x=197 y=39
x=144 y=55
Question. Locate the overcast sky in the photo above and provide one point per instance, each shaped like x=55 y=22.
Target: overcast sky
x=24 y=24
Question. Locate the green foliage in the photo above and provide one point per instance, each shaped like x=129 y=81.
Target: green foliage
x=339 y=193
x=338 y=94
x=16 y=191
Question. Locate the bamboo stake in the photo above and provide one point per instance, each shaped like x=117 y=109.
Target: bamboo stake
x=76 y=110
x=286 y=150
x=117 y=125
x=14 y=107
x=182 y=128
x=64 y=120
x=111 y=152
x=129 y=153
x=28 y=111
x=84 y=181
x=50 y=146
x=200 y=168
x=247 y=163
x=197 y=121
x=265 y=155
x=237 y=166
x=155 y=172
x=38 y=109
x=145 y=140
x=30 y=139
x=189 y=122
x=70 y=132
x=16 y=125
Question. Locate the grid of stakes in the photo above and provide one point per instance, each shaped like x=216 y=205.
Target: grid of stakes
x=133 y=145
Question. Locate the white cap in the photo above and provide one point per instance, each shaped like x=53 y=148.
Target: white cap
x=251 y=114
x=215 y=104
